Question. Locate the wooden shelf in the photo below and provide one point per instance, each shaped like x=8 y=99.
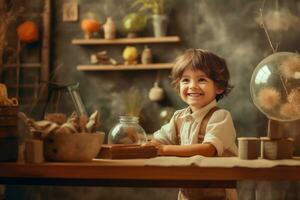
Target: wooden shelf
x=125 y=67
x=33 y=86
x=141 y=40
x=22 y=65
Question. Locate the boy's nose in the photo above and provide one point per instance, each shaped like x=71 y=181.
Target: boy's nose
x=193 y=84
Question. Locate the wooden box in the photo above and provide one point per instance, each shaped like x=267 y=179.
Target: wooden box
x=277 y=149
x=126 y=151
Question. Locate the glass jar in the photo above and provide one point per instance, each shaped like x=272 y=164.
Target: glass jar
x=127 y=131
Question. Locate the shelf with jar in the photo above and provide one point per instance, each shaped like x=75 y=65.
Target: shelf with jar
x=118 y=41
x=151 y=66
x=101 y=61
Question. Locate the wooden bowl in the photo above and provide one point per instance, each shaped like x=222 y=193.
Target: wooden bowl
x=76 y=147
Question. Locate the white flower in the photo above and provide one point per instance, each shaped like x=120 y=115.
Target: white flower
x=290 y=67
x=268 y=97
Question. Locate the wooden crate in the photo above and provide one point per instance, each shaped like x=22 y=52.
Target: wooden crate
x=9 y=110
x=8 y=121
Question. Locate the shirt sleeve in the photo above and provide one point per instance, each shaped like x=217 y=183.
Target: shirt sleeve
x=167 y=133
x=220 y=131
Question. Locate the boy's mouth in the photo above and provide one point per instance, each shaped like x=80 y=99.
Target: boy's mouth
x=195 y=94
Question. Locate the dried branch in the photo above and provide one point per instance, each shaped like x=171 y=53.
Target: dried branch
x=263 y=25
x=9 y=11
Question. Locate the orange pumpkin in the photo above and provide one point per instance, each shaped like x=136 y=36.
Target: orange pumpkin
x=28 y=32
x=90 y=25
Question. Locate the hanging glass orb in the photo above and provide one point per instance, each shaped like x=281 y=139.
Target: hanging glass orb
x=275 y=86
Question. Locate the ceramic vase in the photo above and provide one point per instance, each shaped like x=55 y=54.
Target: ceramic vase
x=159 y=23
x=109 y=29
x=156 y=93
x=146 y=56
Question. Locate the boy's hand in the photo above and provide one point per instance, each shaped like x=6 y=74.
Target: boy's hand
x=157 y=144
x=160 y=150
x=152 y=142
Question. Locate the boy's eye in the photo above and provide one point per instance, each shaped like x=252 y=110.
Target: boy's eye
x=184 y=80
x=202 y=80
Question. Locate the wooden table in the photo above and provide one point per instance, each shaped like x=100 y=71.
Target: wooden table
x=133 y=173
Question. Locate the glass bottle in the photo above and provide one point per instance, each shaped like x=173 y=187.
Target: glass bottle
x=127 y=131
x=146 y=56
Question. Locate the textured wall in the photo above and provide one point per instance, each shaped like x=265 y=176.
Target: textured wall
x=227 y=28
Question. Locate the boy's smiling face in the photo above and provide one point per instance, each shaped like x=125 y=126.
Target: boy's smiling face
x=197 y=89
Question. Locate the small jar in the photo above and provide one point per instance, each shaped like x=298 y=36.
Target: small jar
x=127 y=131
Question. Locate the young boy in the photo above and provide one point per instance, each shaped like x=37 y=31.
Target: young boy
x=201 y=79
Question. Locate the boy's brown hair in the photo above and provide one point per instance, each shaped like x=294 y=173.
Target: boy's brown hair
x=212 y=65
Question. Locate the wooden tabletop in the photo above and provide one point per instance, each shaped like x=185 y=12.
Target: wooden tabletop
x=133 y=172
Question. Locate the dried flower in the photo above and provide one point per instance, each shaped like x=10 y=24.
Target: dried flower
x=290 y=66
x=294 y=98
x=268 y=98
x=288 y=110
x=133 y=101
x=281 y=20
x=8 y=13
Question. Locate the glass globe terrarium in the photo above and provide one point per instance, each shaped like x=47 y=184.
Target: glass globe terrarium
x=275 y=86
x=127 y=131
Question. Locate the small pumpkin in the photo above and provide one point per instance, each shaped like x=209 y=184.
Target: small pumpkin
x=90 y=25
x=28 y=32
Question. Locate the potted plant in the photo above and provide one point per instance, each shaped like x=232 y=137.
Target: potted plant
x=157 y=9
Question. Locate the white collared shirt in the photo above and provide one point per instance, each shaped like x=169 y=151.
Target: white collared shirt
x=220 y=130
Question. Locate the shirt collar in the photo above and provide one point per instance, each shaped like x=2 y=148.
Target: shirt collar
x=199 y=114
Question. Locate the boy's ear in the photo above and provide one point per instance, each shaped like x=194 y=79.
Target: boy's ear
x=219 y=91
